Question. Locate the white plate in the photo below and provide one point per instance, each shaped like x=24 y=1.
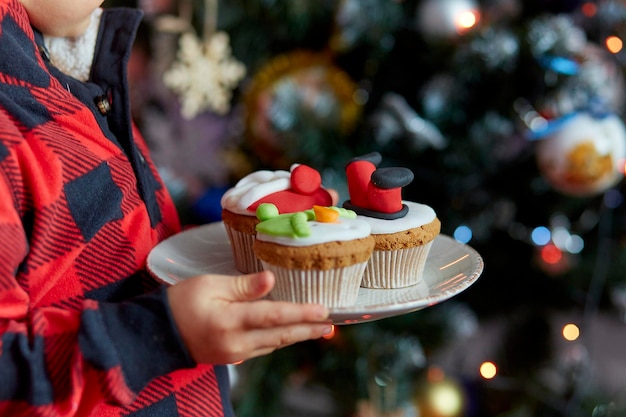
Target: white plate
x=450 y=269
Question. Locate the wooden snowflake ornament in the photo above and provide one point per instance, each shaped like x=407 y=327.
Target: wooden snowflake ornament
x=204 y=74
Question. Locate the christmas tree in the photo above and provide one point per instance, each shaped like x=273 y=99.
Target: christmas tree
x=510 y=115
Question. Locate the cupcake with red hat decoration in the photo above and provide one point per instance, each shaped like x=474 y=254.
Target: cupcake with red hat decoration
x=291 y=191
x=403 y=230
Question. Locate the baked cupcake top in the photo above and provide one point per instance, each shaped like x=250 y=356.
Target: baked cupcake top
x=298 y=189
x=315 y=226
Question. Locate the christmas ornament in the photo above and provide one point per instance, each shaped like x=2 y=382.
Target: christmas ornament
x=204 y=73
x=297 y=107
x=446 y=19
x=440 y=396
x=585 y=155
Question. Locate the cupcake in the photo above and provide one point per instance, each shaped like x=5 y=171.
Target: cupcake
x=404 y=231
x=317 y=255
x=298 y=189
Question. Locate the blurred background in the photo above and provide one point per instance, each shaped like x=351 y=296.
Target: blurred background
x=509 y=113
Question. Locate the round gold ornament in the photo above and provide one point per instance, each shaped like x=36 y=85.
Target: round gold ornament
x=441 y=398
x=298 y=106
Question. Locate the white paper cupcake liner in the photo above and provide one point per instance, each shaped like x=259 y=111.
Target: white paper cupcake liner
x=332 y=288
x=396 y=268
x=243 y=254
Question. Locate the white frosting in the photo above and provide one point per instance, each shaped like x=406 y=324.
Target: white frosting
x=418 y=215
x=253 y=187
x=342 y=230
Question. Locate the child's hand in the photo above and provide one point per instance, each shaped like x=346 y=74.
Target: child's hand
x=222 y=320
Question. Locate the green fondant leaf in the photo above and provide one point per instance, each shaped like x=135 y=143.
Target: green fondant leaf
x=343 y=212
x=277 y=226
x=290 y=224
x=299 y=222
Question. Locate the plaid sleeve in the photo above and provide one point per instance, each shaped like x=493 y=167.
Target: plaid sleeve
x=55 y=362
x=58 y=359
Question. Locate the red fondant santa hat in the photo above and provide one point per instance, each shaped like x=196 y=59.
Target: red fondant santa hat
x=305 y=191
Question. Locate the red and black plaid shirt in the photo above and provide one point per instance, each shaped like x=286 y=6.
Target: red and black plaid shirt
x=83 y=329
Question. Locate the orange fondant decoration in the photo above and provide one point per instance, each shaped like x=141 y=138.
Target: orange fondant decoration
x=325 y=214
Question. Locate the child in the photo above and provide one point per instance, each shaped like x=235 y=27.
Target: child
x=83 y=330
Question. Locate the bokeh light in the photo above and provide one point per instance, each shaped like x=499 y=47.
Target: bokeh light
x=614 y=44
x=488 y=370
x=541 y=235
x=571 y=332
x=589 y=9
x=550 y=254
x=575 y=244
x=466 y=20
x=463 y=234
